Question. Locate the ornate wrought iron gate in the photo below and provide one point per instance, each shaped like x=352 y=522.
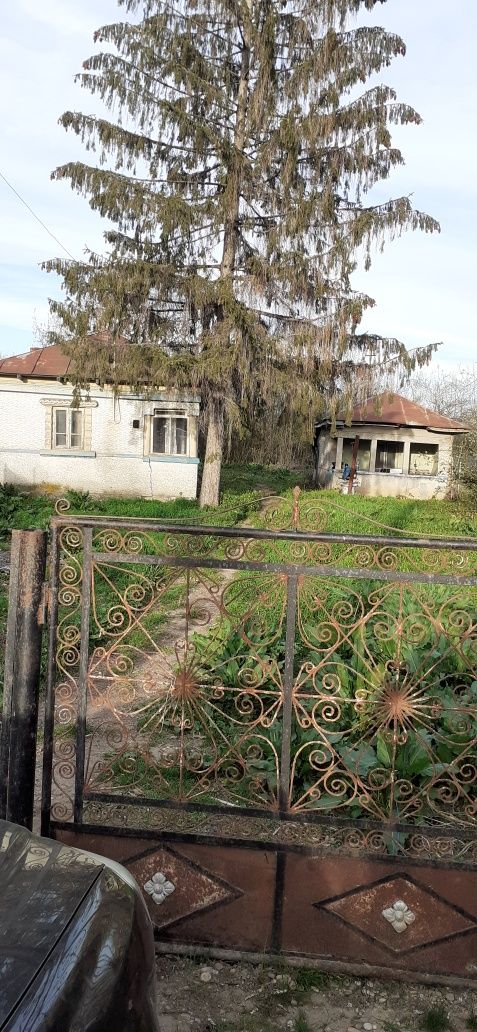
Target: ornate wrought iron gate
x=276 y=731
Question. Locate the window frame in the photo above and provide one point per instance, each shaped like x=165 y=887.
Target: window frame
x=363 y=446
x=389 y=445
x=69 y=411
x=169 y=416
x=433 y=449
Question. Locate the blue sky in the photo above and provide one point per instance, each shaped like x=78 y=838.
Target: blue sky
x=424 y=285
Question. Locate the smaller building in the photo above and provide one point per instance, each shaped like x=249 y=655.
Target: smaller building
x=403 y=449
x=109 y=444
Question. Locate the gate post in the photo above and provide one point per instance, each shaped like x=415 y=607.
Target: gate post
x=22 y=675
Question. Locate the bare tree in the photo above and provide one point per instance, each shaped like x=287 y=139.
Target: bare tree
x=453 y=393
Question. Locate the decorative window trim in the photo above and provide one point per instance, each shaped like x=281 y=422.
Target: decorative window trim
x=61 y=402
x=190 y=460
x=85 y=407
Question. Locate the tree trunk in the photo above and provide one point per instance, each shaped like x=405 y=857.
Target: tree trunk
x=209 y=491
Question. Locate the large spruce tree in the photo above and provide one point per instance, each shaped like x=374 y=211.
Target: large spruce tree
x=241 y=146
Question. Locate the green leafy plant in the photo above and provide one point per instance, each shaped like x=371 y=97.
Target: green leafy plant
x=81 y=501
x=436 y=1020
x=360 y=741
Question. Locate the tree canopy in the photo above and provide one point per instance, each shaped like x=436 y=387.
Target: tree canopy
x=244 y=137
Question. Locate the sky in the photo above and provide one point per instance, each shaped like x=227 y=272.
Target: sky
x=424 y=285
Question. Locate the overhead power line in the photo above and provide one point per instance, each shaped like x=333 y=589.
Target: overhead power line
x=37 y=217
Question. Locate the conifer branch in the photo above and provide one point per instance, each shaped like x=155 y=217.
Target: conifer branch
x=236 y=167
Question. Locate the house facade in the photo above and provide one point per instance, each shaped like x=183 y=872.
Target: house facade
x=111 y=444
x=402 y=449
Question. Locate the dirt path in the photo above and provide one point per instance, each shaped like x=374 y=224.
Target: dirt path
x=117 y=707
x=153 y=672
x=212 y=996
x=117 y=704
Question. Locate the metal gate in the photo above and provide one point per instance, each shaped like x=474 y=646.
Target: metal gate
x=276 y=732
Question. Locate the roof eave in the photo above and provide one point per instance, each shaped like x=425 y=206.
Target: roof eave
x=394 y=426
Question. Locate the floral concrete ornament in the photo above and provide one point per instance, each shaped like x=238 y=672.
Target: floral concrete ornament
x=399 y=915
x=159 y=887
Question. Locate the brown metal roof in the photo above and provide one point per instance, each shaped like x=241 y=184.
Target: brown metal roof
x=42 y=362
x=394 y=410
x=45 y=363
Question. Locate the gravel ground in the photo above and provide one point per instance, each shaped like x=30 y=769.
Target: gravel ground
x=213 y=996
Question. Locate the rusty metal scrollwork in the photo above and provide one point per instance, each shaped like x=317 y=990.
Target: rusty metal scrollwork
x=297 y=675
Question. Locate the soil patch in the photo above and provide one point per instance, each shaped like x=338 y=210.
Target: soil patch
x=216 y=996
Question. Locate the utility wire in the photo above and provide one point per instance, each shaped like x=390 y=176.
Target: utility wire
x=35 y=216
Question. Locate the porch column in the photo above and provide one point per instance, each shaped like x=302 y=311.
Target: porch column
x=406 y=457
x=339 y=454
x=372 y=455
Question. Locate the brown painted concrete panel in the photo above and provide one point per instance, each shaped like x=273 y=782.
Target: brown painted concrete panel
x=456 y=886
x=224 y=897
x=399 y=917
x=114 y=847
x=220 y=897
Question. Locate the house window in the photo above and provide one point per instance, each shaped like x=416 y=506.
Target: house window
x=67 y=428
x=424 y=460
x=364 y=454
x=389 y=457
x=169 y=434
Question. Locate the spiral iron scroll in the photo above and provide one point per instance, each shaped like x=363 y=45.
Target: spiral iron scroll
x=191 y=680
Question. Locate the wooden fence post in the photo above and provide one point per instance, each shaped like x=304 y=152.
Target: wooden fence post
x=22 y=675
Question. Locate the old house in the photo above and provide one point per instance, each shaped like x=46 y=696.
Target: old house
x=124 y=444
x=401 y=449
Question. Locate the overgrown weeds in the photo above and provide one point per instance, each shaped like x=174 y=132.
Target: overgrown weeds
x=436 y=1020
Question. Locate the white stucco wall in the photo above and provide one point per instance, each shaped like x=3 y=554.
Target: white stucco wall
x=387 y=484
x=116 y=461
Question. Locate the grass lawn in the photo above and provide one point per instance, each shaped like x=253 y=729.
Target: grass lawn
x=256 y=604
x=242 y=489
x=354 y=514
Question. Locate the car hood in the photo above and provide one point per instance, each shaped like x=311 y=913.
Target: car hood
x=42 y=884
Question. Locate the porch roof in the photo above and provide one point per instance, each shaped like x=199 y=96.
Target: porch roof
x=394 y=410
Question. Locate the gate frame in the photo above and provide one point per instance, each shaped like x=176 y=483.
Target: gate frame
x=89 y=525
